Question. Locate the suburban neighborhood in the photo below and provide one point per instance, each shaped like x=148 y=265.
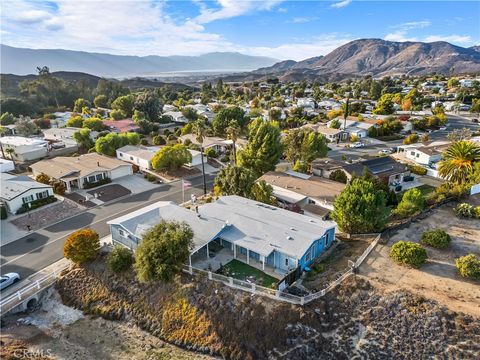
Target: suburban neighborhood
x=225 y=205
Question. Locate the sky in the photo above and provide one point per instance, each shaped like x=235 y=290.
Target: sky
x=280 y=29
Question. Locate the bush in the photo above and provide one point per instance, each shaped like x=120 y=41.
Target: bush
x=81 y=245
x=411 y=139
x=408 y=253
x=35 y=204
x=3 y=212
x=477 y=212
x=412 y=203
x=150 y=177
x=417 y=169
x=59 y=187
x=91 y=185
x=211 y=153
x=144 y=142
x=43 y=178
x=436 y=238
x=120 y=259
x=159 y=140
x=339 y=176
x=465 y=210
x=468 y=266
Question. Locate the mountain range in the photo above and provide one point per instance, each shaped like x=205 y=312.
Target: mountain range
x=23 y=61
x=375 y=57
x=378 y=58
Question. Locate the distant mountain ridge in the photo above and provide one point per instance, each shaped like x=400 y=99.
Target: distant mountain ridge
x=23 y=61
x=379 y=57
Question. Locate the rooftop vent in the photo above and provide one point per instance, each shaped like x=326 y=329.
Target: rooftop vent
x=289 y=237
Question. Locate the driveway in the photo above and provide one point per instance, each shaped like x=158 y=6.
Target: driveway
x=135 y=183
x=109 y=192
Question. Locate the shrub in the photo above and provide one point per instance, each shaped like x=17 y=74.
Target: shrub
x=120 y=259
x=465 y=210
x=412 y=203
x=477 y=212
x=81 y=245
x=210 y=153
x=93 y=184
x=339 y=176
x=436 y=238
x=35 y=204
x=411 y=139
x=144 y=142
x=159 y=140
x=59 y=187
x=408 y=253
x=3 y=212
x=301 y=166
x=43 y=178
x=417 y=169
x=150 y=177
x=468 y=266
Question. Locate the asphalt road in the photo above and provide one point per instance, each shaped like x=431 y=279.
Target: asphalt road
x=41 y=248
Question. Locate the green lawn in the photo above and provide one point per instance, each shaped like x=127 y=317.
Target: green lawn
x=241 y=271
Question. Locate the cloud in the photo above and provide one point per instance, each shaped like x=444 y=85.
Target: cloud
x=341 y=4
x=413 y=25
x=462 y=39
x=302 y=20
x=32 y=16
x=400 y=35
x=232 y=8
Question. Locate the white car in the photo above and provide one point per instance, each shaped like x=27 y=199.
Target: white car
x=443 y=128
x=385 y=152
x=358 y=144
x=8 y=279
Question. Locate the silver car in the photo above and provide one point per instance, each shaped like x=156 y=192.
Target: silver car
x=8 y=279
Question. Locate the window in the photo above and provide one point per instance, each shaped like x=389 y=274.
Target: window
x=121 y=155
x=412 y=153
x=326 y=237
x=91 y=178
x=308 y=256
x=99 y=177
x=286 y=262
x=42 y=195
x=121 y=232
x=131 y=158
x=27 y=199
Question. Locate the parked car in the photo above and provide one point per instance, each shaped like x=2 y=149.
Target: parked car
x=385 y=152
x=443 y=128
x=358 y=144
x=398 y=188
x=8 y=279
x=408 y=178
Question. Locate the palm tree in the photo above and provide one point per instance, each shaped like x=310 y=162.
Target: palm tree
x=3 y=131
x=233 y=130
x=11 y=154
x=458 y=161
x=198 y=128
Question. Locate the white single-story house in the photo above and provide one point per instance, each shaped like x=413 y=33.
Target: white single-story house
x=24 y=149
x=6 y=165
x=425 y=154
x=247 y=230
x=19 y=190
x=332 y=135
x=62 y=134
x=218 y=144
x=77 y=172
x=176 y=116
x=354 y=127
x=306 y=103
x=141 y=156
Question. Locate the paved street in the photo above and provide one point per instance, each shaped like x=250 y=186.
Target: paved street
x=39 y=249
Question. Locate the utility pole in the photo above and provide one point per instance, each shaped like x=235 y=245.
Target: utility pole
x=203 y=172
x=345 y=114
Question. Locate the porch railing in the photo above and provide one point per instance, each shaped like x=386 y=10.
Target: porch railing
x=277 y=294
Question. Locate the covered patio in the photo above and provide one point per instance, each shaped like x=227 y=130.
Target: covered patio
x=219 y=255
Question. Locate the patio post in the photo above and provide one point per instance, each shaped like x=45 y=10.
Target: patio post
x=190 y=260
x=208 y=257
x=234 y=251
x=248 y=256
x=263 y=263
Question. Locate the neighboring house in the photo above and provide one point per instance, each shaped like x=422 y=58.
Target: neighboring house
x=121 y=126
x=218 y=144
x=425 y=154
x=141 y=156
x=62 y=134
x=329 y=105
x=323 y=167
x=168 y=108
x=306 y=103
x=9 y=130
x=299 y=191
x=24 y=149
x=332 y=135
x=247 y=230
x=355 y=127
x=76 y=172
x=61 y=118
x=384 y=168
x=6 y=165
x=19 y=190
x=176 y=116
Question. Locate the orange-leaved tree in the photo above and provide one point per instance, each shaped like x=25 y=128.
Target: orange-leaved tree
x=81 y=245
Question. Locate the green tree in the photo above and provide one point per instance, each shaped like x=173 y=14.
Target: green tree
x=412 y=203
x=458 y=161
x=235 y=180
x=7 y=119
x=361 y=208
x=26 y=127
x=109 y=143
x=223 y=118
x=339 y=176
x=149 y=104
x=101 y=101
x=190 y=114
x=125 y=104
x=335 y=124
x=263 y=149
x=305 y=145
x=94 y=124
x=375 y=90
x=233 y=132
x=80 y=104
x=81 y=246
x=83 y=138
x=120 y=259
x=385 y=105
x=301 y=166
x=263 y=192
x=163 y=251
x=75 y=121
x=475 y=106
x=171 y=157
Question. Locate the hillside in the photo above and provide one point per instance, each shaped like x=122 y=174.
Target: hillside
x=376 y=57
x=22 y=61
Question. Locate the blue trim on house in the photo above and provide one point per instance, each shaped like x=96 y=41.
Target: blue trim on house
x=317 y=248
